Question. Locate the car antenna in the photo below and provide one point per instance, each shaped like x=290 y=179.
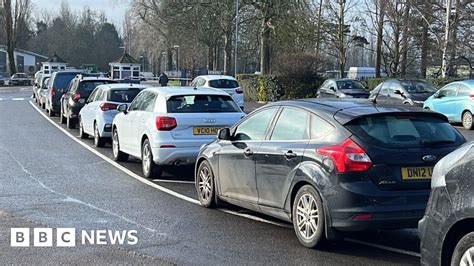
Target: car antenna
x=376 y=95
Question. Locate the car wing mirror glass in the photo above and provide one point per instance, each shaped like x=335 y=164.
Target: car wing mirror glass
x=223 y=134
x=122 y=108
x=332 y=89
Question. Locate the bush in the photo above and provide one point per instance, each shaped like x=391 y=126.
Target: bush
x=372 y=83
x=439 y=83
x=274 y=88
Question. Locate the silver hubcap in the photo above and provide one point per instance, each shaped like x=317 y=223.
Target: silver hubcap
x=467 y=119
x=307 y=216
x=205 y=188
x=467 y=258
x=146 y=159
x=115 y=144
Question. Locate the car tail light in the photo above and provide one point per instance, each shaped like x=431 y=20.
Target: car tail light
x=347 y=157
x=53 y=92
x=108 y=106
x=239 y=91
x=165 y=123
x=365 y=216
x=77 y=96
x=472 y=96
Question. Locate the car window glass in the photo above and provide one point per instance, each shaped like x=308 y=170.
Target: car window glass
x=122 y=95
x=93 y=95
x=319 y=127
x=385 y=86
x=148 y=103
x=449 y=90
x=292 y=124
x=137 y=101
x=201 y=104
x=349 y=85
x=223 y=83
x=464 y=90
x=254 y=127
x=200 y=82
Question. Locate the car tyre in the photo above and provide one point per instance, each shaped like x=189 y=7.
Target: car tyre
x=70 y=123
x=82 y=134
x=43 y=106
x=308 y=217
x=51 y=113
x=98 y=140
x=62 y=119
x=149 y=167
x=205 y=186
x=464 y=251
x=118 y=155
x=467 y=120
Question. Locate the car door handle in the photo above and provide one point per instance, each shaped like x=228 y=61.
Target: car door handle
x=290 y=155
x=248 y=152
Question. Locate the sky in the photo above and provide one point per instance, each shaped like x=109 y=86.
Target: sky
x=113 y=9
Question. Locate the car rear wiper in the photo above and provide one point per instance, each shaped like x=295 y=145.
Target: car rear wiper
x=430 y=142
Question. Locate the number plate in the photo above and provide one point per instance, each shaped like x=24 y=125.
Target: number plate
x=82 y=101
x=417 y=173
x=205 y=130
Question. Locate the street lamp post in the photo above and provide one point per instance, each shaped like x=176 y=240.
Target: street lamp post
x=236 y=35
x=176 y=47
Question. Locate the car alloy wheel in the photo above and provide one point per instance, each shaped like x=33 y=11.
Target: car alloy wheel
x=150 y=169
x=98 y=141
x=205 y=185
x=467 y=120
x=116 y=153
x=146 y=159
x=467 y=258
x=308 y=217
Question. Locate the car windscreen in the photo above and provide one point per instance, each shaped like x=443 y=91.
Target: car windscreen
x=404 y=130
x=61 y=81
x=89 y=86
x=201 y=104
x=223 y=83
x=122 y=95
x=413 y=86
x=349 y=85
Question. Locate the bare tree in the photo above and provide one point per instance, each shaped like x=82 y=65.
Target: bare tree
x=15 y=14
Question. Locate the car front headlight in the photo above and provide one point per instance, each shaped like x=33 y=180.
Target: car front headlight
x=446 y=164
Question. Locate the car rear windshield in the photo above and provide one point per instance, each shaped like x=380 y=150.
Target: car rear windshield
x=223 y=84
x=61 y=81
x=349 y=85
x=91 y=85
x=414 y=86
x=123 y=95
x=404 y=130
x=201 y=104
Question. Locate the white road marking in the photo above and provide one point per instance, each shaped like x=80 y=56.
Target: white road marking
x=397 y=250
x=191 y=200
x=18 y=99
x=1 y=99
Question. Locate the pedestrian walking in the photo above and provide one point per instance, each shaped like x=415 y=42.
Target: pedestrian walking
x=163 y=79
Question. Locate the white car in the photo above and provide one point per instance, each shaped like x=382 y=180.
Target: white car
x=168 y=125
x=96 y=117
x=225 y=83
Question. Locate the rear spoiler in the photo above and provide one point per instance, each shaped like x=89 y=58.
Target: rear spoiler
x=344 y=117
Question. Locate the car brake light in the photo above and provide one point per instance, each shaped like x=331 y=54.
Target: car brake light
x=108 y=106
x=239 y=91
x=165 y=123
x=365 y=216
x=53 y=92
x=472 y=96
x=77 y=96
x=347 y=157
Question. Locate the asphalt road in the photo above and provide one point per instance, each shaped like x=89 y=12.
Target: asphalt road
x=50 y=178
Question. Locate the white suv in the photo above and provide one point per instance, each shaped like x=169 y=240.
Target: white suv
x=225 y=83
x=168 y=125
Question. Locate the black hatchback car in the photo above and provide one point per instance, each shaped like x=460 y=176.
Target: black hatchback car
x=342 y=88
x=401 y=91
x=59 y=84
x=447 y=229
x=328 y=165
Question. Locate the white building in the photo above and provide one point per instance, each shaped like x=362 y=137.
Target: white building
x=125 y=68
x=26 y=61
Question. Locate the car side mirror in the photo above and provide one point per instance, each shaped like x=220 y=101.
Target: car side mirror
x=399 y=92
x=366 y=87
x=122 y=108
x=223 y=134
x=436 y=95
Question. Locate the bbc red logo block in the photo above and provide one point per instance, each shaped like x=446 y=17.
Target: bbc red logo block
x=43 y=237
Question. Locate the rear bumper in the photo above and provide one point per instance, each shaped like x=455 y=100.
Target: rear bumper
x=381 y=209
x=169 y=156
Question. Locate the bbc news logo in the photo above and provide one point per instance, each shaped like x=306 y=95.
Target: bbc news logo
x=66 y=237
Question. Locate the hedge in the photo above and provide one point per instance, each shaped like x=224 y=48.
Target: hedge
x=274 y=88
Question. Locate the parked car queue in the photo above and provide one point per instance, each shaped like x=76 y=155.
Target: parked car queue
x=327 y=166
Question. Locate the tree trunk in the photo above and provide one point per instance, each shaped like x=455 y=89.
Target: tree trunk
x=378 y=49
x=11 y=40
x=227 y=53
x=404 y=63
x=265 y=48
x=342 y=48
x=318 y=31
x=424 y=51
x=444 y=65
x=169 y=61
x=210 y=58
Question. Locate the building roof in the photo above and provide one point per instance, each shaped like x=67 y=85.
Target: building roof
x=54 y=59
x=125 y=59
